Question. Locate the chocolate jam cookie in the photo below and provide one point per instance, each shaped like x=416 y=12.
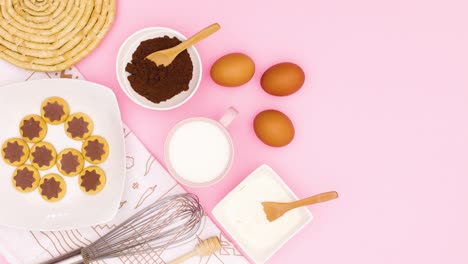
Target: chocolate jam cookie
x=33 y=128
x=26 y=178
x=52 y=187
x=70 y=162
x=92 y=180
x=43 y=156
x=55 y=110
x=79 y=126
x=95 y=149
x=15 y=151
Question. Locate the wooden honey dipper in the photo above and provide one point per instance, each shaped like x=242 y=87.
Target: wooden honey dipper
x=204 y=248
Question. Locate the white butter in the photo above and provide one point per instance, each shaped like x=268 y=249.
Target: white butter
x=241 y=214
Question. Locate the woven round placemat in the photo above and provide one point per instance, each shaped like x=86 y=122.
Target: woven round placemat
x=52 y=35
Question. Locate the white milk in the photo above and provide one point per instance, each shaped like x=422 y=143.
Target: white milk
x=199 y=151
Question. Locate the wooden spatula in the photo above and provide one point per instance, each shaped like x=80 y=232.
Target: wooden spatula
x=275 y=210
x=165 y=57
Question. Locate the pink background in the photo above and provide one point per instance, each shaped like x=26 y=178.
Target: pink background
x=382 y=117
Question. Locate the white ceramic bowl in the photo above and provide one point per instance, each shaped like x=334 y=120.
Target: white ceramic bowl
x=125 y=56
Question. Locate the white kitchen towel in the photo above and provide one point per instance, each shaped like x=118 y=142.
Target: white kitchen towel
x=146 y=182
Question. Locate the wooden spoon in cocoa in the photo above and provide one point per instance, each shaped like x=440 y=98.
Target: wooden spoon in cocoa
x=165 y=57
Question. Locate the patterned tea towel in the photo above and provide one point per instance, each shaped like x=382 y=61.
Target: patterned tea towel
x=146 y=182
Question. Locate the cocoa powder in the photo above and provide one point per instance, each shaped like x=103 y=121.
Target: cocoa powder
x=159 y=83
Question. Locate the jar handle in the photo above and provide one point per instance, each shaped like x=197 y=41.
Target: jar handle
x=228 y=117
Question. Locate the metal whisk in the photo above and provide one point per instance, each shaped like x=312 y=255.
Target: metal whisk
x=165 y=223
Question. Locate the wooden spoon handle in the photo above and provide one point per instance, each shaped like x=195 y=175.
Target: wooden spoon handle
x=184 y=257
x=319 y=198
x=204 y=33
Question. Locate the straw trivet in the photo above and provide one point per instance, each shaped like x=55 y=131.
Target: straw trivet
x=52 y=35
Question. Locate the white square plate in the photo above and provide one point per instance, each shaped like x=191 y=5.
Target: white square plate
x=226 y=212
x=76 y=209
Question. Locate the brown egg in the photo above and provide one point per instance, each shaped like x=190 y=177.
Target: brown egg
x=274 y=128
x=283 y=79
x=233 y=69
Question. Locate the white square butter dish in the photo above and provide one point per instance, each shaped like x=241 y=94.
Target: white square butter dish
x=241 y=214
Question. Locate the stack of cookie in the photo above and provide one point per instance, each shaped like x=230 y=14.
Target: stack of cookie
x=43 y=156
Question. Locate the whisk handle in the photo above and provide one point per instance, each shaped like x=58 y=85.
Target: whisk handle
x=73 y=257
x=184 y=257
